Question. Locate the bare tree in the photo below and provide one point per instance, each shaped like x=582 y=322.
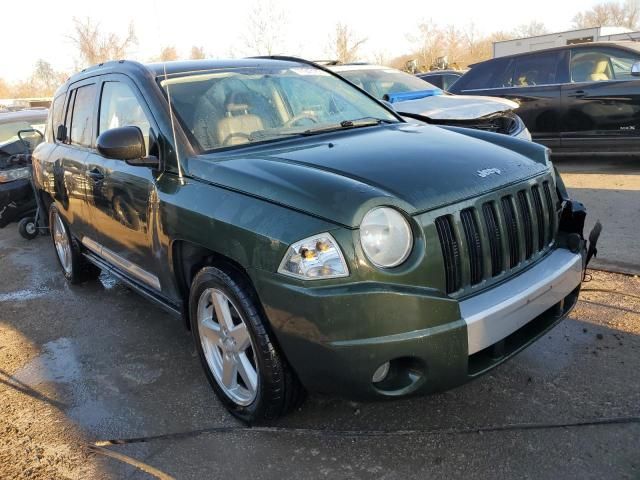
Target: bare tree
x=344 y=45
x=430 y=44
x=619 y=14
x=5 y=89
x=95 y=46
x=167 y=54
x=531 y=29
x=265 y=28
x=45 y=79
x=197 y=53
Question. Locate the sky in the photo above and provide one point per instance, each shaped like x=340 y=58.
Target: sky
x=220 y=26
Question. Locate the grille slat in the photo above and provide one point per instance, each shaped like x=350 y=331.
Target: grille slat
x=551 y=208
x=511 y=222
x=474 y=246
x=451 y=253
x=527 y=222
x=495 y=238
x=539 y=209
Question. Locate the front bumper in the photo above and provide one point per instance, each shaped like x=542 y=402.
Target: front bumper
x=336 y=337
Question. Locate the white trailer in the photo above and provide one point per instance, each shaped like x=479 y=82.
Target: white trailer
x=560 y=39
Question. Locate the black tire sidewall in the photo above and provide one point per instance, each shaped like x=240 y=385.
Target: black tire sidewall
x=211 y=277
x=77 y=273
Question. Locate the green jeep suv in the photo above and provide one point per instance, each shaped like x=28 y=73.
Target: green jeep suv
x=308 y=236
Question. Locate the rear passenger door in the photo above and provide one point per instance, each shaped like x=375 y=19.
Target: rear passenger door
x=70 y=158
x=123 y=198
x=602 y=101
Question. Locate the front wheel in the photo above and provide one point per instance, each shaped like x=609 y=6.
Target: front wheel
x=242 y=364
x=75 y=267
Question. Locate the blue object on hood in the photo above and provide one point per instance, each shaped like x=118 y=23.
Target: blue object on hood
x=404 y=96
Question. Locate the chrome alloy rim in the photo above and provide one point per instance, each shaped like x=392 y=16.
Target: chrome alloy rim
x=61 y=241
x=227 y=346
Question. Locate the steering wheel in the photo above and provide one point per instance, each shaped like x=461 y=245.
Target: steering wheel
x=228 y=138
x=293 y=122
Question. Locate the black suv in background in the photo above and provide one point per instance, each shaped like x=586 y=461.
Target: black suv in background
x=578 y=99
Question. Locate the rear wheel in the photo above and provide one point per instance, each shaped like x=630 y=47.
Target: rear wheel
x=75 y=267
x=242 y=363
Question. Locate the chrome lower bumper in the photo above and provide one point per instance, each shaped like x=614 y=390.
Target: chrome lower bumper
x=495 y=314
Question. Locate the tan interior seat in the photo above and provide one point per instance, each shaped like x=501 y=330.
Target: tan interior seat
x=600 y=71
x=238 y=124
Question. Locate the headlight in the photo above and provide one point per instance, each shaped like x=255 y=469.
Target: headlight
x=314 y=258
x=385 y=237
x=14 y=174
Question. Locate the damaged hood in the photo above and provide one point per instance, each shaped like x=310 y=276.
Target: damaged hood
x=340 y=176
x=454 y=107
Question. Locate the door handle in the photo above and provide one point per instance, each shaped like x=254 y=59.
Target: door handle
x=577 y=94
x=96 y=174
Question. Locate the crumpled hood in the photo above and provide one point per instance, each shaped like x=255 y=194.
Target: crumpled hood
x=340 y=176
x=455 y=107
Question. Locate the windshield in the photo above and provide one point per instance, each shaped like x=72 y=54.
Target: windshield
x=238 y=106
x=380 y=82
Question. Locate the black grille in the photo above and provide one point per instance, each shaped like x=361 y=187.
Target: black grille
x=512 y=230
x=472 y=236
x=506 y=228
x=495 y=238
x=542 y=224
x=525 y=212
x=450 y=252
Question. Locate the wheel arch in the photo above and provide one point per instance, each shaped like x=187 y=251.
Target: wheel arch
x=188 y=258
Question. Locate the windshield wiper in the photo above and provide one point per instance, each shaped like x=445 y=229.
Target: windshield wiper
x=344 y=124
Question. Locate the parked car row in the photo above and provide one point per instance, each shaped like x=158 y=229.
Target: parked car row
x=309 y=236
x=413 y=97
x=577 y=100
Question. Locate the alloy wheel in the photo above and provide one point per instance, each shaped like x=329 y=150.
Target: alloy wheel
x=227 y=346
x=61 y=242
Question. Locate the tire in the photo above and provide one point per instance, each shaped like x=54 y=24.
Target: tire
x=27 y=228
x=276 y=389
x=75 y=267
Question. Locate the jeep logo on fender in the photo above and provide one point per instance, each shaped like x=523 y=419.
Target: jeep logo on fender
x=488 y=171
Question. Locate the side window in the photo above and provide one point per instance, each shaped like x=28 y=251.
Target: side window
x=57 y=116
x=487 y=75
x=119 y=107
x=601 y=64
x=82 y=115
x=537 y=69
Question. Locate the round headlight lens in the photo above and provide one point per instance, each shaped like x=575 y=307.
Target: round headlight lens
x=386 y=237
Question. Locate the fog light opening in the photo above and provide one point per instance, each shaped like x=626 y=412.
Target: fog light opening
x=381 y=373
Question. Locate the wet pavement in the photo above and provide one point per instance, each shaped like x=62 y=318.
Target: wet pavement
x=81 y=366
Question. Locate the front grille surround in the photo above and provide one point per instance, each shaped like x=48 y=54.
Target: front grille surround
x=495 y=235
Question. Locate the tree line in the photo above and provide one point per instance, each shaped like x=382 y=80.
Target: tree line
x=433 y=44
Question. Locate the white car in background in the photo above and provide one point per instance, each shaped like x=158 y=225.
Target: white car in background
x=417 y=99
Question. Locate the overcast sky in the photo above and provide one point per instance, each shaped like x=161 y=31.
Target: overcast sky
x=40 y=29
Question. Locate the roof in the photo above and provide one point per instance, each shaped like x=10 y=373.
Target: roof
x=629 y=45
x=26 y=115
x=346 y=67
x=175 y=67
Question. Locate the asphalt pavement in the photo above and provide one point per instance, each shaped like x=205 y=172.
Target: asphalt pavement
x=96 y=382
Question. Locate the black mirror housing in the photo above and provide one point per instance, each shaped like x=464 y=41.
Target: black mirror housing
x=123 y=143
x=61 y=133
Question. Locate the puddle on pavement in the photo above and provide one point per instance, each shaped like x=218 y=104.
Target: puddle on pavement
x=57 y=363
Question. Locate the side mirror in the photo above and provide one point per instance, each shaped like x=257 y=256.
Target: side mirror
x=635 y=69
x=125 y=143
x=61 y=133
